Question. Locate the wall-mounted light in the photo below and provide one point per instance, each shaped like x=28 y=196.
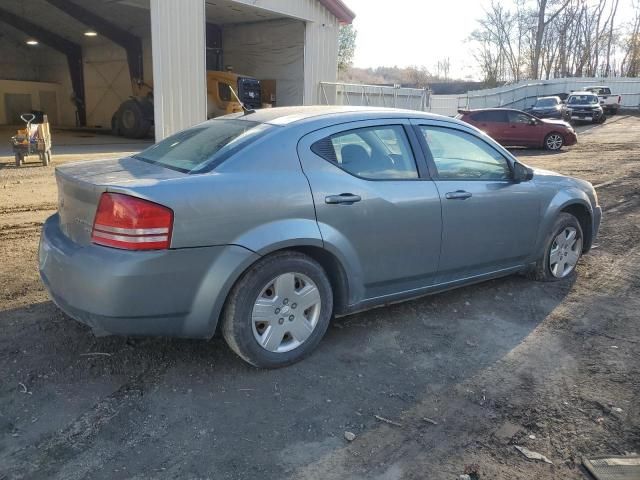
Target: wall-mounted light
x=90 y=33
x=32 y=41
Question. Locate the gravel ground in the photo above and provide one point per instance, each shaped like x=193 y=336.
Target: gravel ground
x=429 y=387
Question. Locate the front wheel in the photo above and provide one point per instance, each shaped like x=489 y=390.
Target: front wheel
x=278 y=311
x=563 y=249
x=553 y=142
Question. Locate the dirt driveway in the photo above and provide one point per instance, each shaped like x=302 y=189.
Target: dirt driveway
x=461 y=377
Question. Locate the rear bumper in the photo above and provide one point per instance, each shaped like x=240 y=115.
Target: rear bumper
x=167 y=292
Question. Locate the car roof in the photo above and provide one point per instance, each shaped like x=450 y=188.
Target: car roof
x=548 y=96
x=584 y=92
x=288 y=115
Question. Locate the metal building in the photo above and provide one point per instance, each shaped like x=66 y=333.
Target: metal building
x=77 y=60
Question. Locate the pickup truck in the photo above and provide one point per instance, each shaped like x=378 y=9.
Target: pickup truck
x=610 y=103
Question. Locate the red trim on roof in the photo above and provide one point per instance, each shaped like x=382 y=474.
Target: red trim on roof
x=343 y=13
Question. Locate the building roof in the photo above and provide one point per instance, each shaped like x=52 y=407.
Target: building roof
x=338 y=8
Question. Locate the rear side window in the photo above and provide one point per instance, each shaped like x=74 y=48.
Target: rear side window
x=204 y=146
x=462 y=156
x=490 y=116
x=376 y=153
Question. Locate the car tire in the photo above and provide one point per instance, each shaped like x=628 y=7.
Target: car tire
x=545 y=269
x=554 y=141
x=602 y=119
x=131 y=121
x=254 y=308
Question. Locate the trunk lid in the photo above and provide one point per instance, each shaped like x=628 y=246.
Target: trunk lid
x=81 y=184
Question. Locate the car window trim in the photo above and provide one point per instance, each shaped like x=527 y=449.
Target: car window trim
x=414 y=146
x=432 y=164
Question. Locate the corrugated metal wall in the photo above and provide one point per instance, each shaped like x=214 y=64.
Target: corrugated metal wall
x=269 y=50
x=321 y=40
x=178 y=44
x=321 y=51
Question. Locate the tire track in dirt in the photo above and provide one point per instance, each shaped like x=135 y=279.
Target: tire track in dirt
x=28 y=208
x=48 y=457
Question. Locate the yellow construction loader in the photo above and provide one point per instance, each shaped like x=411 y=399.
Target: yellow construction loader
x=225 y=91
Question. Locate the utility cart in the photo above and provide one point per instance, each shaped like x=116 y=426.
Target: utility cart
x=32 y=140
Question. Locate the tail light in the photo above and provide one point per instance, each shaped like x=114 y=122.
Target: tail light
x=131 y=223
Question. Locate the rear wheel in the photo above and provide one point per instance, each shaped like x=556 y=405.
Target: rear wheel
x=278 y=311
x=563 y=249
x=553 y=141
x=130 y=120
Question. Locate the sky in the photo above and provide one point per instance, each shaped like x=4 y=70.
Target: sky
x=421 y=32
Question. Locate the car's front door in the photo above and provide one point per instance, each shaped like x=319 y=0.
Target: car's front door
x=490 y=222
x=524 y=130
x=375 y=204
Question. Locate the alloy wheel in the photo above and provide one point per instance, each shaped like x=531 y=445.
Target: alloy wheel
x=286 y=312
x=565 y=252
x=554 y=142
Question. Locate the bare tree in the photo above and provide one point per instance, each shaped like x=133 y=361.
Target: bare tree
x=550 y=38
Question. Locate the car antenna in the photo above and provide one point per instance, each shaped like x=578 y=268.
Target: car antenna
x=246 y=110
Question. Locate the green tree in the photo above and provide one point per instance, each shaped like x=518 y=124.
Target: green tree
x=346 y=46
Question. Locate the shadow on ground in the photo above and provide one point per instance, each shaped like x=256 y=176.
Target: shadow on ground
x=99 y=407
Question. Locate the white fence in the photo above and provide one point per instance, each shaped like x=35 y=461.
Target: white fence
x=373 y=95
x=520 y=95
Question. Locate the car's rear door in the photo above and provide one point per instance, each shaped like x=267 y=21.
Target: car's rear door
x=490 y=222
x=493 y=123
x=375 y=203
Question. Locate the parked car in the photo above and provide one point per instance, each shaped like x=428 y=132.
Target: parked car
x=584 y=107
x=265 y=225
x=516 y=128
x=547 y=107
x=609 y=102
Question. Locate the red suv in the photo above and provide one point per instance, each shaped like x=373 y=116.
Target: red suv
x=515 y=128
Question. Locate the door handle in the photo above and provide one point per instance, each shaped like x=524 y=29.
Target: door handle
x=458 y=195
x=347 y=198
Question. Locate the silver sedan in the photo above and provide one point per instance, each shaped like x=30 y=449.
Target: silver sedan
x=266 y=225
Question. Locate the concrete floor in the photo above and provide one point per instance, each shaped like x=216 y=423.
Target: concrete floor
x=71 y=145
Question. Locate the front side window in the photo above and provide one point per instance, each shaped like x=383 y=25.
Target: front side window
x=376 y=153
x=462 y=156
x=198 y=147
x=224 y=92
x=519 y=117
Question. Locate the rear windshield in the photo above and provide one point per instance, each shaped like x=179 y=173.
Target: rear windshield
x=203 y=147
x=582 y=99
x=546 y=102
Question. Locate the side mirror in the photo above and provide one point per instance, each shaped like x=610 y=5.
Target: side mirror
x=521 y=173
x=533 y=121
